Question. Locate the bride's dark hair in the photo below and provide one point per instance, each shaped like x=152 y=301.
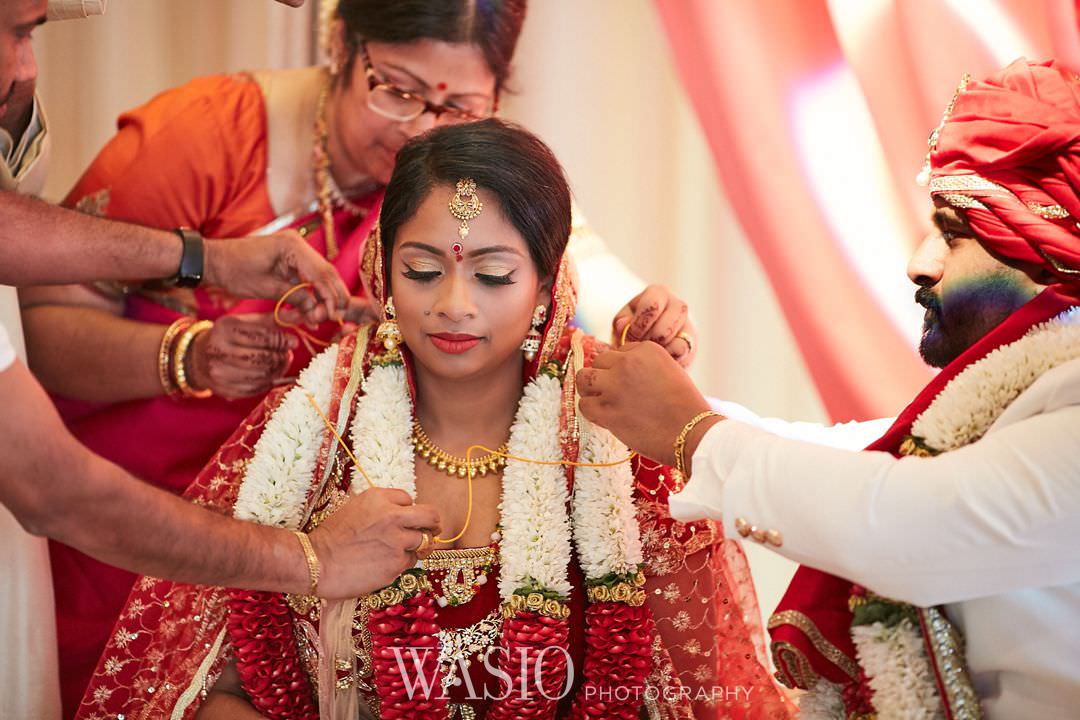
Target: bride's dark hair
x=511 y=163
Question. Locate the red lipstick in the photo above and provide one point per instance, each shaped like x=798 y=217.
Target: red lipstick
x=454 y=343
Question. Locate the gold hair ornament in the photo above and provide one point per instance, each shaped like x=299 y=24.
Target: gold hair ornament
x=464 y=205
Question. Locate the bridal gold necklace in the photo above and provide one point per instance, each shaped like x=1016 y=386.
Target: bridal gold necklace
x=456 y=466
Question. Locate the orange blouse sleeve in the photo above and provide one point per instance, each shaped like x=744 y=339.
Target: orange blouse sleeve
x=193 y=156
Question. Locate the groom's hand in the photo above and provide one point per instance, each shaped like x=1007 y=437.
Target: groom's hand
x=371 y=540
x=642 y=395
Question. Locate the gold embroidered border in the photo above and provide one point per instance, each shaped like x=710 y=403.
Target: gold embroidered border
x=947 y=646
x=832 y=653
x=565 y=300
x=199 y=680
x=790 y=660
x=953 y=189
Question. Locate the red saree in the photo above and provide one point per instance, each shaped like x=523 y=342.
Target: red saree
x=173 y=640
x=195 y=156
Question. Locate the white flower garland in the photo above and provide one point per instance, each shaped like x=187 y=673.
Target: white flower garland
x=381 y=432
x=606 y=530
x=278 y=477
x=823 y=702
x=971 y=402
x=898 y=670
x=894 y=658
x=536 y=542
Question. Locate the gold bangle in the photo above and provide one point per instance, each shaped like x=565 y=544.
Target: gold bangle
x=179 y=370
x=680 y=441
x=165 y=352
x=312 y=560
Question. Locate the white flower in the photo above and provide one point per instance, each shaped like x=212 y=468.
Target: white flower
x=822 y=702
x=973 y=400
x=382 y=430
x=606 y=531
x=898 y=670
x=536 y=529
x=278 y=477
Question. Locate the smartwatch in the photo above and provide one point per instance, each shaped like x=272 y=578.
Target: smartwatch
x=192 y=259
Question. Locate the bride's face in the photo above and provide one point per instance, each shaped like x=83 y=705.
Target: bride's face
x=463 y=320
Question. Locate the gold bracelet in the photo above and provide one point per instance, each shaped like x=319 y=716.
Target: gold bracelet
x=165 y=352
x=680 y=441
x=179 y=370
x=312 y=560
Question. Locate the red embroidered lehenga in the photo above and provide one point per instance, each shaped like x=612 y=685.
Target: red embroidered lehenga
x=684 y=637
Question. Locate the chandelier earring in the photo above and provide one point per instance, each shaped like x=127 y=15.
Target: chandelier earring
x=388 y=332
x=531 y=345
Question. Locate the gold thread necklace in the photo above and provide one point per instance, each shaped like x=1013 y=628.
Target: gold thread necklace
x=328 y=192
x=452 y=465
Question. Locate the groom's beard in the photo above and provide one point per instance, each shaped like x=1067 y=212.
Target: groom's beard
x=952 y=326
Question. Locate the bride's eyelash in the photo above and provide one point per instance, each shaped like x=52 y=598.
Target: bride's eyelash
x=506 y=279
x=422 y=276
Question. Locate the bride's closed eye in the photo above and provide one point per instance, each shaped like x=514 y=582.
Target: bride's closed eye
x=489 y=279
x=420 y=275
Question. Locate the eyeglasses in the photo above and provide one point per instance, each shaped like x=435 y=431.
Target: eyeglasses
x=395 y=103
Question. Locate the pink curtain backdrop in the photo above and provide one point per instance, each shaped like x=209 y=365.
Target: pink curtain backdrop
x=817 y=114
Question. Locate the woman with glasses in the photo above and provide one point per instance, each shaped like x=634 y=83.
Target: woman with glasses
x=157 y=378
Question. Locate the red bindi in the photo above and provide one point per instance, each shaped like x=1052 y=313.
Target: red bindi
x=441 y=86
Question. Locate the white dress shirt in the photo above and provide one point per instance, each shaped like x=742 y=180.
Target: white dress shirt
x=7 y=350
x=29 y=673
x=990 y=530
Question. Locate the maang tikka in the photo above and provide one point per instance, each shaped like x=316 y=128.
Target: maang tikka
x=531 y=344
x=465 y=205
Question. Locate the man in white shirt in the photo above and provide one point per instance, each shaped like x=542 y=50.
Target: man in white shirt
x=964 y=519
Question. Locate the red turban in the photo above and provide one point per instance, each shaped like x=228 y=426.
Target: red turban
x=1008 y=154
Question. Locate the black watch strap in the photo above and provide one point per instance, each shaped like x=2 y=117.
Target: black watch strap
x=192 y=260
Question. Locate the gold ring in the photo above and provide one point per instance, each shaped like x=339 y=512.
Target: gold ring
x=425 y=540
x=689 y=341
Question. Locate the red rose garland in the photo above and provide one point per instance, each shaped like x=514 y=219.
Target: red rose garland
x=401 y=621
x=618 y=657
x=267 y=658
x=534 y=655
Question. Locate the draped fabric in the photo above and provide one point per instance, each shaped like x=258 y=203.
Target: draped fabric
x=817 y=115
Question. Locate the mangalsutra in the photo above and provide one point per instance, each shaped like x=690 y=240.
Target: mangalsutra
x=456 y=466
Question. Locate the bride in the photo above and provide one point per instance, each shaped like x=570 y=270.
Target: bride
x=557 y=586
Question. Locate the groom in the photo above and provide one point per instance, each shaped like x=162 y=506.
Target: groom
x=960 y=525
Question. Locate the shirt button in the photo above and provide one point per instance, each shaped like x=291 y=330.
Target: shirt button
x=742 y=527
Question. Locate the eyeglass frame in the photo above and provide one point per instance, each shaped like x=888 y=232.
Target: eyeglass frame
x=436 y=109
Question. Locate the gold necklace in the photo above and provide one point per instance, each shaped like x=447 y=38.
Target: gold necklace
x=455 y=466
x=462 y=570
